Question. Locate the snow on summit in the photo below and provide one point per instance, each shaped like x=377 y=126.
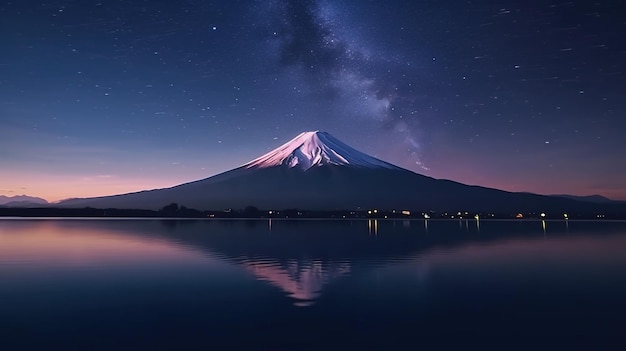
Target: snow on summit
x=313 y=149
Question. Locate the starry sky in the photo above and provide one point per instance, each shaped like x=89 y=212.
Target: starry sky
x=112 y=96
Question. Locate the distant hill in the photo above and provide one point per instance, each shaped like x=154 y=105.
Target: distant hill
x=21 y=201
x=598 y=199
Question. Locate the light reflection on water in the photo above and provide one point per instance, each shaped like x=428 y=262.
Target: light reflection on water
x=34 y=244
x=280 y=258
x=244 y=272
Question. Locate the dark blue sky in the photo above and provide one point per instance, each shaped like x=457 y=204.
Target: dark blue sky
x=104 y=97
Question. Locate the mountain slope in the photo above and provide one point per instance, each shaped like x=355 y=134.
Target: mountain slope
x=316 y=171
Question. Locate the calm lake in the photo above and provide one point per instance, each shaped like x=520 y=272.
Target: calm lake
x=80 y=284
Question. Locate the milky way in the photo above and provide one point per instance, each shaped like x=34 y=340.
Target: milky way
x=103 y=97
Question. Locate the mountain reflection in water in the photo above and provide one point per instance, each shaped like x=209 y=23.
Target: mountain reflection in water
x=302 y=280
x=302 y=258
x=201 y=284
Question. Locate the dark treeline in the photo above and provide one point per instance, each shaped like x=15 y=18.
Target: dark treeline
x=176 y=211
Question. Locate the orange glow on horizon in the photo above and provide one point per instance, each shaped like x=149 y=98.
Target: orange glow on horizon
x=71 y=245
x=54 y=188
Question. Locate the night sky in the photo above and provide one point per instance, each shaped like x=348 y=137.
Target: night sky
x=112 y=96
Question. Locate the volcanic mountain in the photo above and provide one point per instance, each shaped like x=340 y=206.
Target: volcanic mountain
x=316 y=171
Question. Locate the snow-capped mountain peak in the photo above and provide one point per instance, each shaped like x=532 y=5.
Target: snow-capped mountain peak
x=313 y=149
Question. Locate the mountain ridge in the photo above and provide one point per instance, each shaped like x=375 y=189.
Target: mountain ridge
x=21 y=200
x=315 y=171
x=599 y=199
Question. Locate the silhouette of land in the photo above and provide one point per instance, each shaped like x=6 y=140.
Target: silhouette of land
x=598 y=211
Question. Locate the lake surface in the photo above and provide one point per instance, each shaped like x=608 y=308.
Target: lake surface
x=80 y=284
